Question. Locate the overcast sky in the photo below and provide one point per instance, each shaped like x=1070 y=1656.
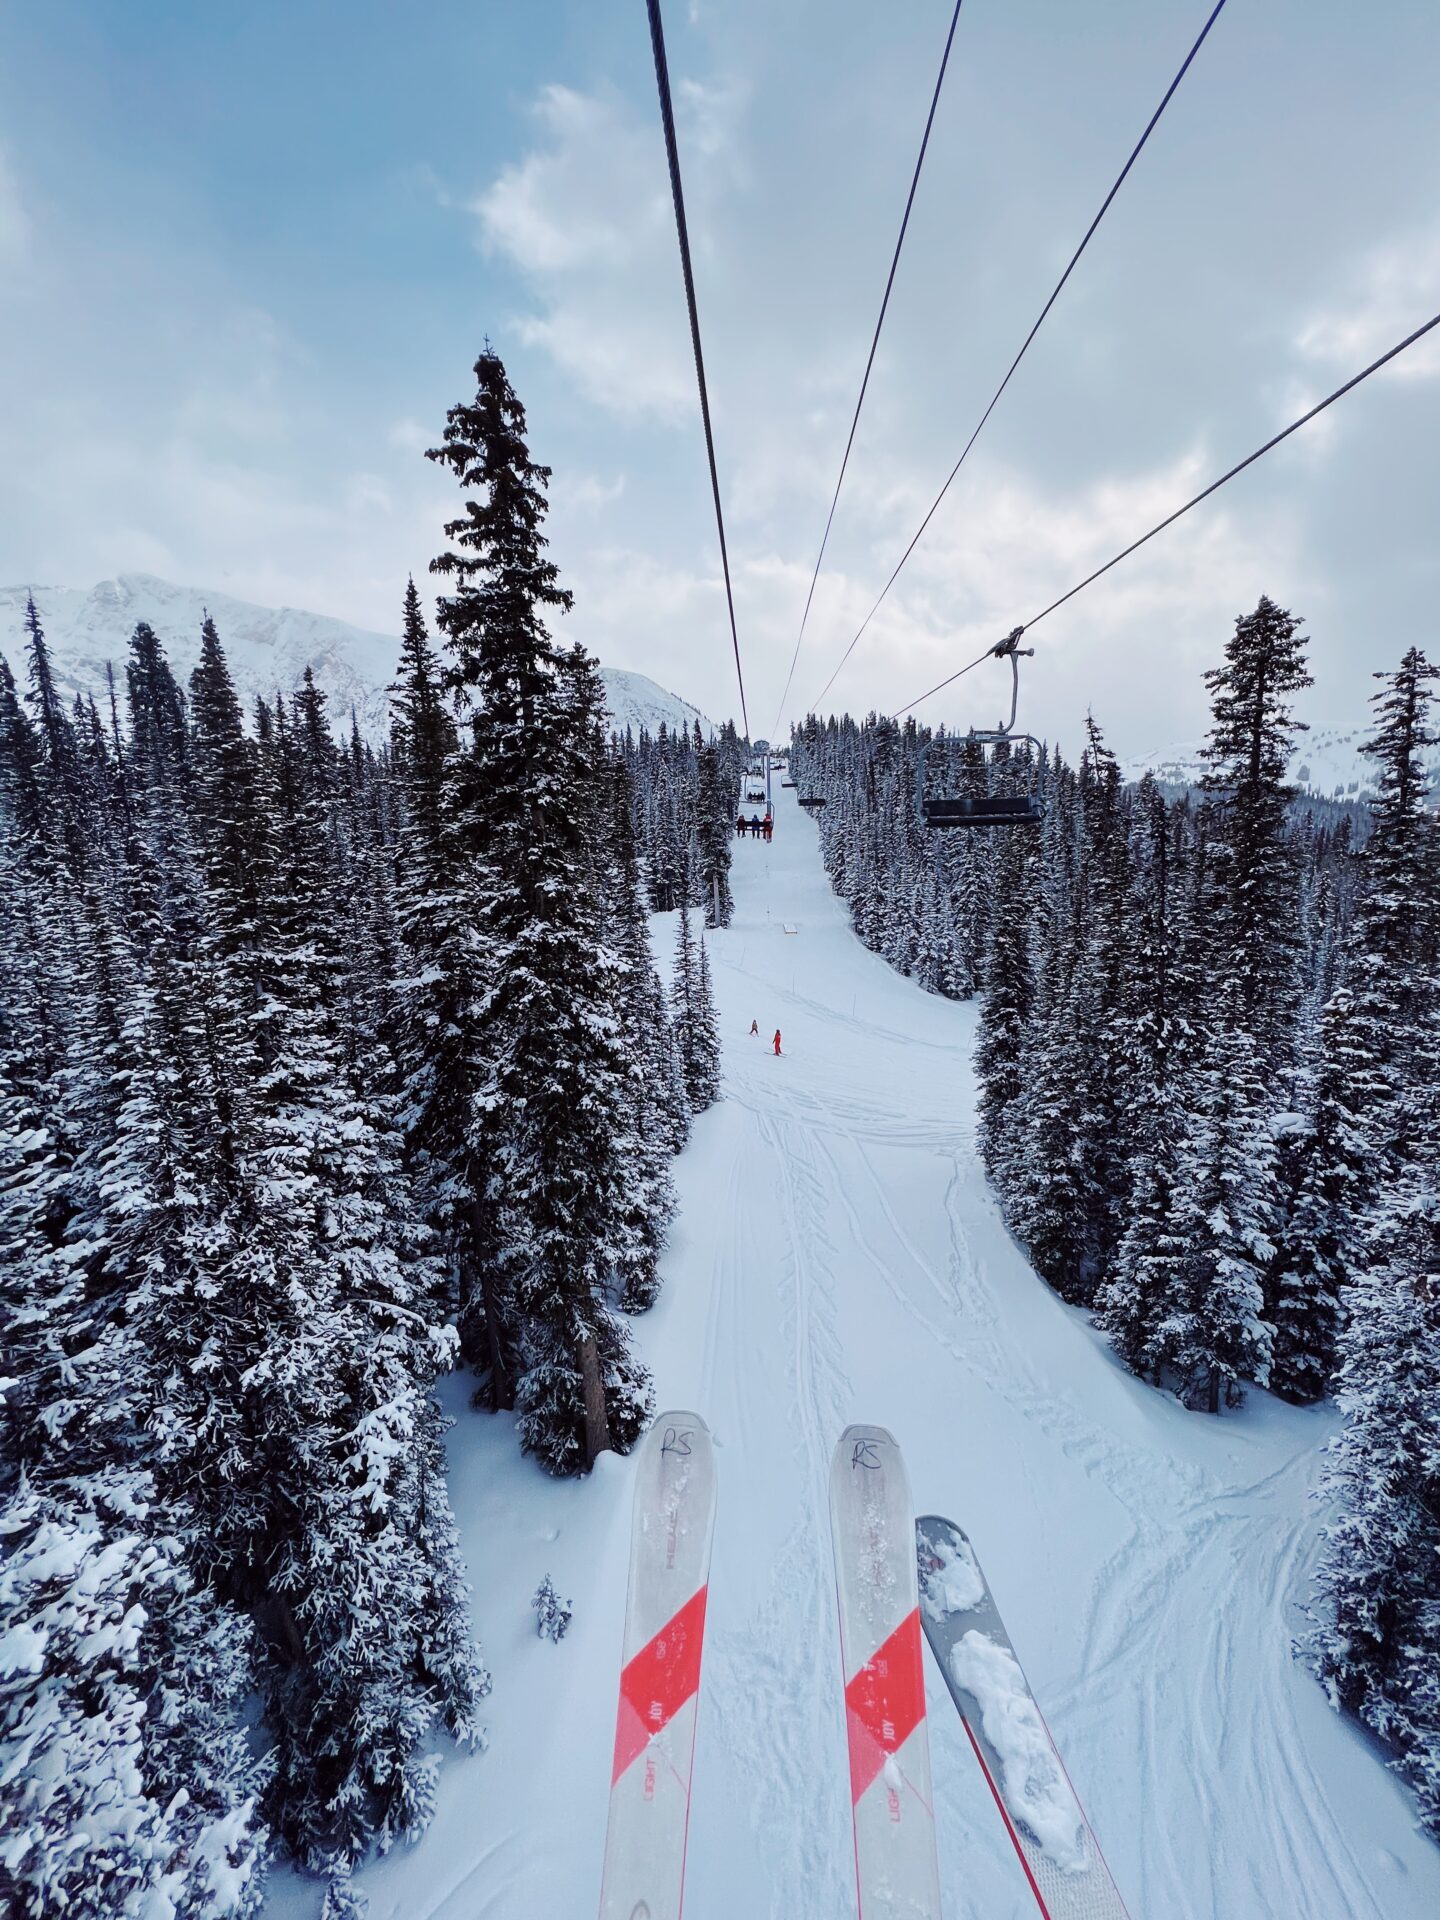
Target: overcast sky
x=248 y=255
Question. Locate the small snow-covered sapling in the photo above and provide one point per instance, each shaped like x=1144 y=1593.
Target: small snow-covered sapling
x=552 y=1614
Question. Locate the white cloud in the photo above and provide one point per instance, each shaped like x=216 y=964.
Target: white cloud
x=708 y=113
x=408 y=436
x=558 y=209
x=1133 y=645
x=1395 y=289
x=586 y=219
x=584 y=492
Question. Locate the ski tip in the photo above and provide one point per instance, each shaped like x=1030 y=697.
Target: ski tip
x=862 y=1432
x=678 y=1417
x=931 y=1524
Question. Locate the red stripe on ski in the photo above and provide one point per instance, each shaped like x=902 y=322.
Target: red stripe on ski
x=1005 y=1816
x=655 y=1685
x=884 y=1703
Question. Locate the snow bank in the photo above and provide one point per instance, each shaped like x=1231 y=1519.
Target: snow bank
x=1036 y=1791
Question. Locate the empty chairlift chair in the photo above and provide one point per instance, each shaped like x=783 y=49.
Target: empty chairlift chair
x=944 y=810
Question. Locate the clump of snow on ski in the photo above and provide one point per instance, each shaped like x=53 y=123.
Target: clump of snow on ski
x=952 y=1582
x=673 y=1521
x=872 y=1527
x=1058 y=1851
x=1034 y=1783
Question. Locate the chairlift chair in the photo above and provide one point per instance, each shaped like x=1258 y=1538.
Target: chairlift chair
x=812 y=802
x=947 y=810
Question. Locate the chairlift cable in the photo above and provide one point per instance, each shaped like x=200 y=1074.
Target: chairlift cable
x=1044 y=311
x=1214 y=487
x=667 y=115
x=870 y=361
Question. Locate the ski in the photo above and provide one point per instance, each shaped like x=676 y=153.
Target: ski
x=873 y=1529
x=673 y=1518
x=1047 y=1825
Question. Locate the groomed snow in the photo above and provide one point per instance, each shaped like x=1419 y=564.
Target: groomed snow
x=838 y=1257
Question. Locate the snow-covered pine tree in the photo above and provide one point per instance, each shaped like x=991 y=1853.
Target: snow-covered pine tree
x=657 y=1122
x=440 y=993
x=703 y=1080
x=684 y=993
x=966 y=863
x=1317 y=1242
x=132 y=1781
x=281 y=1291
x=1211 y=1334
x=552 y=1614
x=1036 y=1162
x=1152 y=1060
x=1255 y=932
x=1393 y=958
x=547 y=1117
x=1378 y=1649
x=714 y=831
x=1067 y=1158
x=1009 y=995
x=64 y=780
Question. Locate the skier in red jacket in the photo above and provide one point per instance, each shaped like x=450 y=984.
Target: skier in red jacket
x=777 y=1043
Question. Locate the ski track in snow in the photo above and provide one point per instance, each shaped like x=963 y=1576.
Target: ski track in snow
x=839 y=1257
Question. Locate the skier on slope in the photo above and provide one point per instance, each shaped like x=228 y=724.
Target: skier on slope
x=755 y=1028
x=777 y=1043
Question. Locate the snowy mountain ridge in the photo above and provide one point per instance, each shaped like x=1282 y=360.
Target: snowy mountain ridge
x=268 y=648
x=1327 y=764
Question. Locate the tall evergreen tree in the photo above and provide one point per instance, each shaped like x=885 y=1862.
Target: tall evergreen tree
x=1378 y=1648
x=1255 y=935
x=1212 y=1335
x=1154 y=1056
x=714 y=831
x=1316 y=1244
x=1394 y=957
x=547 y=1118
x=657 y=1121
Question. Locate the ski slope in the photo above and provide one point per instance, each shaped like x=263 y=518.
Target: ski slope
x=838 y=1257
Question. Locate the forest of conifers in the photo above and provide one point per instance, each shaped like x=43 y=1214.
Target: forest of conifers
x=322 y=1069
x=1209 y=1058
x=327 y=1066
